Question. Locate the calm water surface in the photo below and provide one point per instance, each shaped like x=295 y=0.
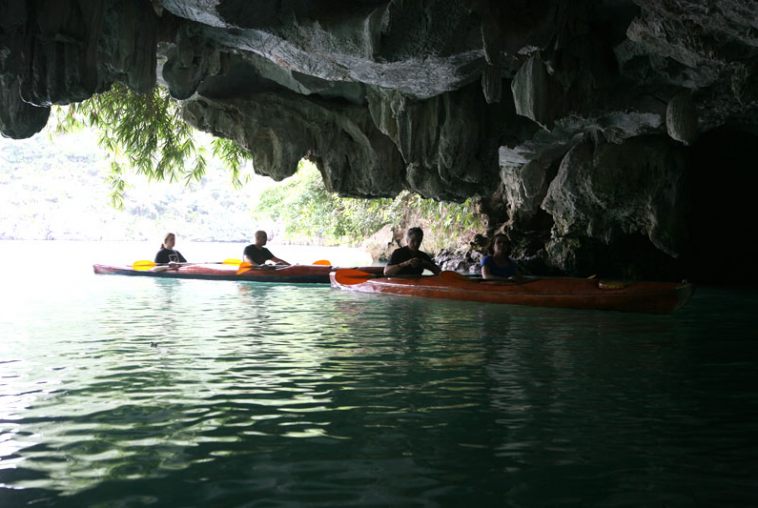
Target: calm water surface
x=119 y=391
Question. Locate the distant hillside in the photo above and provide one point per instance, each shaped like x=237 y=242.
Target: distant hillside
x=57 y=189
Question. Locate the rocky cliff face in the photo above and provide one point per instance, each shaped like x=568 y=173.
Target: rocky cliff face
x=616 y=136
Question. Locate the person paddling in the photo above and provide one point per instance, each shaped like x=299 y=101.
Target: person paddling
x=499 y=266
x=167 y=255
x=257 y=254
x=410 y=260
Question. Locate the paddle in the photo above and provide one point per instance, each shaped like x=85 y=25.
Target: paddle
x=246 y=267
x=351 y=276
x=146 y=264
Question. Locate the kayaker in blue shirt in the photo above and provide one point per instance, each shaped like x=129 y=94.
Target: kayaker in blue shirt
x=167 y=254
x=410 y=260
x=499 y=266
x=257 y=254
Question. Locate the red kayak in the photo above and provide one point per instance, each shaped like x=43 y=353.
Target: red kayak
x=297 y=274
x=575 y=293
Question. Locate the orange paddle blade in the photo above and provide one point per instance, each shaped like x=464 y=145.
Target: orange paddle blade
x=323 y=262
x=231 y=261
x=244 y=268
x=349 y=276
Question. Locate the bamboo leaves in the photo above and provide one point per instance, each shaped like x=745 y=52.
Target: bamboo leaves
x=146 y=133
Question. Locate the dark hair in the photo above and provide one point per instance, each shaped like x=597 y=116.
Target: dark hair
x=165 y=239
x=417 y=232
x=496 y=238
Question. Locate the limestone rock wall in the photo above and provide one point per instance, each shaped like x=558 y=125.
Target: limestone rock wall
x=576 y=123
x=607 y=191
x=57 y=52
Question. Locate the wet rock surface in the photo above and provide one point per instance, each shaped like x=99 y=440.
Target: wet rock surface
x=581 y=126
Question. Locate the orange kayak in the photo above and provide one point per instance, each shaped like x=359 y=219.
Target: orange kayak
x=297 y=274
x=575 y=293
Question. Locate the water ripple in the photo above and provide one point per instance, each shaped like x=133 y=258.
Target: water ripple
x=205 y=394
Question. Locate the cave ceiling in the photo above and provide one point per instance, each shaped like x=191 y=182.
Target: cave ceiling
x=528 y=105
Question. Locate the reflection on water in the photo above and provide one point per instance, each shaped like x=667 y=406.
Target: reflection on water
x=123 y=392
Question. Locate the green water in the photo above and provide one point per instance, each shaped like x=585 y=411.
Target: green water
x=117 y=391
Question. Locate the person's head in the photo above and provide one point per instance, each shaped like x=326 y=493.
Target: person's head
x=261 y=238
x=169 y=241
x=499 y=244
x=413 y=238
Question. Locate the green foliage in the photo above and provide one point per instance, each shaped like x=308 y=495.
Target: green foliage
x=117 y=185
x=66 y=176
x=309 y=211
x=234 y=156
x=147 y=133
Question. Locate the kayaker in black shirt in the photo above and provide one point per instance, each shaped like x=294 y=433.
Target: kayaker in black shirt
x=257 y=254
x=167 y=254
x=410 y=260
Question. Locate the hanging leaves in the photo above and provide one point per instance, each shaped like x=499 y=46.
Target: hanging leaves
x=146 y=133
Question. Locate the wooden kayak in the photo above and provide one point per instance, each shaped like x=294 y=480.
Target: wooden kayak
x=293 y=274
x=575 y=293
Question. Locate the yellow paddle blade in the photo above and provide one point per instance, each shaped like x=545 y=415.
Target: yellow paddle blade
x=232 y=261
x=144 y=265
x=323 y=262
